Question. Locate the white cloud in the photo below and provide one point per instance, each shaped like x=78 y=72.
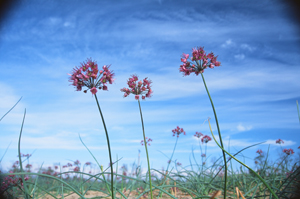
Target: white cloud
x=227 y=43
x=241 y=128
x=239 y=56
x=247 y=47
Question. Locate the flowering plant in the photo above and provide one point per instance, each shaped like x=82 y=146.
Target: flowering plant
x=89 y=75
x=205 y=139
x=288 y=151
x=138 y=88
x=279 y=141
x=178 y=131
x=199 y=61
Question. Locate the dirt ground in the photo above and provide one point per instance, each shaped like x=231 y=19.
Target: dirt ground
x=133 y=195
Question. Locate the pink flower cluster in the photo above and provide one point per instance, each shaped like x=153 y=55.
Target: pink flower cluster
x=138 y=88
x=200 y=61
x=205 y=139
x=198 y=134
x=87 y=75
x=178 y=131
x=88 y=163
x=67 y=165
x=279 y=141
x=259 y=151
x=25 y=155
x=77 y=162
x=148 y=140
x=12 y=180
x=288 y=151
x=76 y=169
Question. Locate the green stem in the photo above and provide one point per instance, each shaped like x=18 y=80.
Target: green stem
x=263 y=181
x=219 y=132
x=20 y=160
x=108 y=145
x=160 y=195
x=146 y=150
x=172 y=154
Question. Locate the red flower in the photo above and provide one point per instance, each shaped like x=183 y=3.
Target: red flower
x=76 y=169
x=200 y=61
x=87 y=75
x=198 y=134
x=259 y=151
x=288 y=151
x=138 y=88
x=279 y=141
x=206 y=139
x=148 y=140
x=178 y=131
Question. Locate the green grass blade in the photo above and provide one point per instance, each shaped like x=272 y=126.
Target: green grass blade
x=10 y=109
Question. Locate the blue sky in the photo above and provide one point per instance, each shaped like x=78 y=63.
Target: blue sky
x=254 y=90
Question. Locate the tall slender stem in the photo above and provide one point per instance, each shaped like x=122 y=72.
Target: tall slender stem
x=108 y=145
x=169 y=162
x=220 y=137
x=172 y=153
x=150 y=181
x=27 y=196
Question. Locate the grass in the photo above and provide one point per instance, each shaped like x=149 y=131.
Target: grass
x=76 y=180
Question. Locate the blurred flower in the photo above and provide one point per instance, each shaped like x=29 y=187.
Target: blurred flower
x=178 y=164
x=199 y=61
x=279 y=141
x=259 y=151
x=77 y=162
x=88 y=75
x=148 y=140
x=288 y=151
x=178 y=131
x=138 y=88
x=206 y=139
x=28 y=166
x=76 y=169
x=203 y=155
x=88 y=163
x=198 y=134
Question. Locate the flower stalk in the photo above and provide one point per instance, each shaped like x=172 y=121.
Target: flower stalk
x=109 y=151
x=148 y=162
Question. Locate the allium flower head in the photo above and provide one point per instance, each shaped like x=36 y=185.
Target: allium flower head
x=205 y=139
x=279 y=141
x=138 y=87
x=198 y=134
x=288 y=151
x=178 y=131
x=199 y=61
x=259 y=151
x=88 y=75
x=148 y=140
